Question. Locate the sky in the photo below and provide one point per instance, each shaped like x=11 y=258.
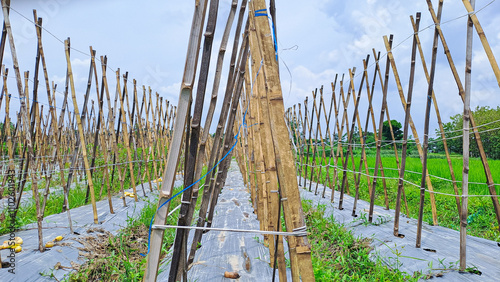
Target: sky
x=317 y=39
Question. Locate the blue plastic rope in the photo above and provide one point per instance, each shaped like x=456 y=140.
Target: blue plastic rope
x=263 y=13
x=182 y=191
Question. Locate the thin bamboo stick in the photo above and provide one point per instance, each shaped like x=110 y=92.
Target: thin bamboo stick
x=466 y=140
x=24 y=113
x=405 y=132
x=153 y=258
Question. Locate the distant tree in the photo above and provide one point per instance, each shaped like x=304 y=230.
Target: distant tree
x=396 y=129
x=489 y=120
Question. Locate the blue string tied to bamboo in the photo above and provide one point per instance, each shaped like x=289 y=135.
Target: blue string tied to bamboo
x=263 y=13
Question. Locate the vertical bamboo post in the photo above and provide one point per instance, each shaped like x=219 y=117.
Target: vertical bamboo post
x=125 y=131
x=469 y=6
x=466 y=120
x=438 y=115
x=111 y=128
x=426 y=137
x=272 y=190
x=477 y=136
x=153 y=258
x=314 y=141
x=188 y=203
x=294 y=217
x=24 y=113
x=82 y=136
x=405 y=131
x=381 y=123
x=414 y=131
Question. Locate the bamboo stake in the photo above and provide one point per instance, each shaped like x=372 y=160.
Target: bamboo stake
x=469 y=6
x=350 y=136
x=156 y=241
x=345 y=102
x=294 y=217
x=4 y=35
x=405 y=131
x=315 y=136
x=24 y=114
x=310 y=141
x=188 y=202
x=202 y=215
x=331 y=136
x=82 y=136
x=477 y=136
x=323 y=155
x=466 y=140
x=381 y=123
x=125 y=132
x=414 y=131
x=232 y=87
x=271 y=212
x=339 y=138
x=440 y=123
x=141 y=134
x=426 y=131
x=111 y=128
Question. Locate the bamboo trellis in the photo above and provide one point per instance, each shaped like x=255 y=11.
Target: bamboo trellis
x=309 y=136
x=46 y=149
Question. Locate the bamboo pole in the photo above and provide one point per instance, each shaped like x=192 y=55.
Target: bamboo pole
x=405 y=131
x=477 y=136
x=142 y=137
x=328 y=136
x=294 y=217
x=426 y=131
x=272 y=189
x=235 y=88
x=345 y=118
x=381 y=122
x=339 y=129
x=438 y=115
x=466 y=140
x=205 y=135
x=111 y=128
x=314 y=144
x=414 y=131
x=350 y=135
x=24 y=114
x=82 y=136
x=333 y=104
x=469 y=6
x=188 y=202
x=156 y=236
x=125 y=132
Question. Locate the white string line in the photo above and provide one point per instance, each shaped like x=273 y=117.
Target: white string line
x=390 y=142
x=61 y=41
x=417 y=186
x=418 y=32
x=297 y=232
x=62 y=93
x=387 y=177
x=53 y=171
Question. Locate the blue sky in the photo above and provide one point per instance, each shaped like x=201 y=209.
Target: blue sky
x=316 y=40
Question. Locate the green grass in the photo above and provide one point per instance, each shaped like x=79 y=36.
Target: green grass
x=122 y=260
x=481 y=221
x=337 y=255
x=27 y=214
